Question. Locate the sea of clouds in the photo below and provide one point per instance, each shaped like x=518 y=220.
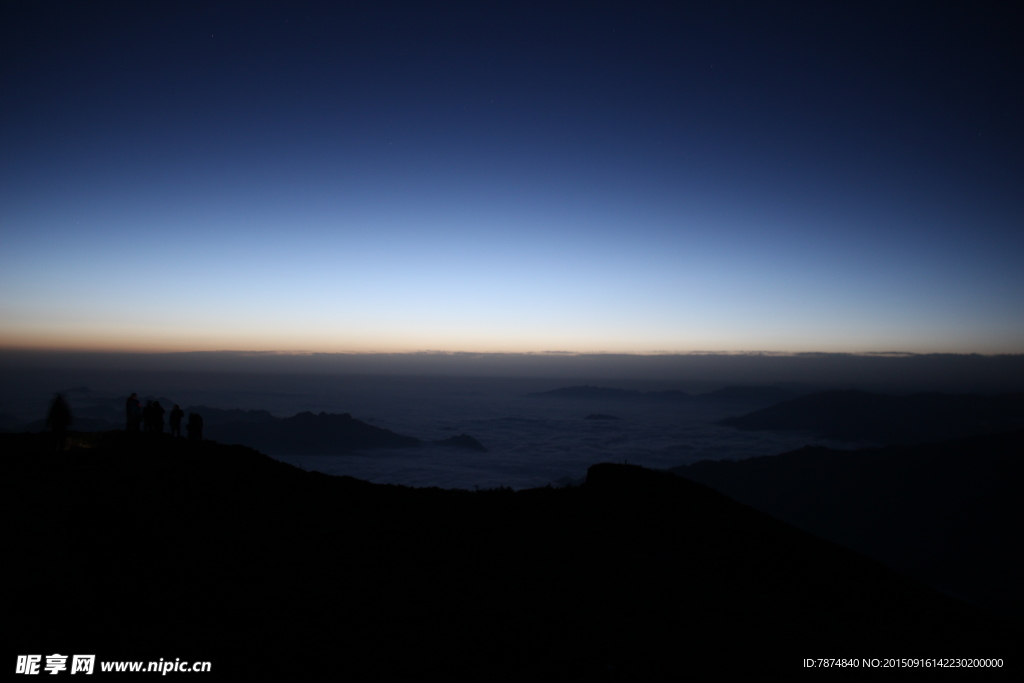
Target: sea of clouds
x=530 y=441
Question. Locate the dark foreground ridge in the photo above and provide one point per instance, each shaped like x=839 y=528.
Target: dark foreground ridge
x=145 y=548
x=949 y=513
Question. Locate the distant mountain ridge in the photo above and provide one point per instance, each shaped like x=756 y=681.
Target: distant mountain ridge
x=310 y=434
x=885 y=419
x=734 y=394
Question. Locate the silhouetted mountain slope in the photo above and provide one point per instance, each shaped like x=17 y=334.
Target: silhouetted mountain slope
x=142 y=548
x=302 y=434
x=306 y=433
x=861 y=416
x=949 y=513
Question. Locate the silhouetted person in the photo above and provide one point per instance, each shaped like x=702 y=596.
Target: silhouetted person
x=132 y=413
x=175 y=419
x=158 y=418
x=59 y=419
x=195 y=427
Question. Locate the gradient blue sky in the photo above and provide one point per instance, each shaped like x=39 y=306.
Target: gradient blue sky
x=590 y=177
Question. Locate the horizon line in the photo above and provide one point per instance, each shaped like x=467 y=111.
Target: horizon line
x=469 y=353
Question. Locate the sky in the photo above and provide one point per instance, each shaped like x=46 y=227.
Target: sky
x=592 y=177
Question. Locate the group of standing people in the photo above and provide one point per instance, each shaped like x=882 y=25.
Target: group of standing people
x=150 y=419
